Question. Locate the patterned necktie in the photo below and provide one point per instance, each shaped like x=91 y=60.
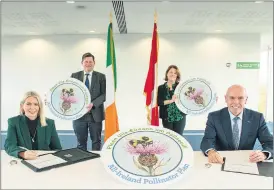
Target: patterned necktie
x=87 y=81
x=235 y=132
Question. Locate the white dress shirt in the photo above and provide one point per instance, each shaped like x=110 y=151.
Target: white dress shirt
x=89 y=77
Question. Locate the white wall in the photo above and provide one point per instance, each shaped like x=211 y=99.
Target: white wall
x=266 y=76
x=37 y=63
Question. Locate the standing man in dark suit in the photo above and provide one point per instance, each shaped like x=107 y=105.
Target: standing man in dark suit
x=92 y=121
x=236 y=128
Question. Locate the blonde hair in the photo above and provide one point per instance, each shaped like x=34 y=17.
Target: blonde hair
x=41 y=112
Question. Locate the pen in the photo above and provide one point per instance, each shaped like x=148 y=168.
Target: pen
x=43 y=154
x=37 y=153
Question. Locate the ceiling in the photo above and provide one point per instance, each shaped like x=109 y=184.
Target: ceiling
x=82 y=17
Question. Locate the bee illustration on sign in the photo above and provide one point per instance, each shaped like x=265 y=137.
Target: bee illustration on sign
x=196 y=95
x=68 y=97
x=144 y=141
x=147 y=152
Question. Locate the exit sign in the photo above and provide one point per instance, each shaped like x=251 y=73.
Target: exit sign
x=248 y=65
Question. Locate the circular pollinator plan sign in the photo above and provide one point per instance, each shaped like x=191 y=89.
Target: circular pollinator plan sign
x=148 y=156
x=195 y=96
x=68 y=99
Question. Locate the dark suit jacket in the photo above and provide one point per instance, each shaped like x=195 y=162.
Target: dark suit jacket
x=97 y=92
x=18 y=135
x=218 y=132
x=161 y=97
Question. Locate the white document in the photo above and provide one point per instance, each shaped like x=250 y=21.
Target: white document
x=46 y=160
x=240 y=164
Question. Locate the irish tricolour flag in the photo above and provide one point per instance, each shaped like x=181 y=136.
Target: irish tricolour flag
x=111 y=121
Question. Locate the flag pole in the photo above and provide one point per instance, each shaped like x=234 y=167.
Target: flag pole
x=155 y=16
x=110 y=17
x=156 y=65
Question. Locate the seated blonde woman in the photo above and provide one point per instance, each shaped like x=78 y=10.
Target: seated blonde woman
x=31 y=130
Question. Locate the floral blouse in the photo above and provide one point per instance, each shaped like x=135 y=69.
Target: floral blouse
x=174 y=114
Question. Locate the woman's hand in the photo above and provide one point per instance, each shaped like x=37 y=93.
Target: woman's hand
x=174 y=98
x=28 y=155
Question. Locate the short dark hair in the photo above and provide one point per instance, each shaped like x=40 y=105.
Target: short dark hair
x=177 y=71
x=87 y=55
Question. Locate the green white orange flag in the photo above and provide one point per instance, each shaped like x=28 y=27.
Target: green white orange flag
x=111 y=120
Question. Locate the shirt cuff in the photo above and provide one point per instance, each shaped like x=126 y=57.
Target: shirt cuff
x=208 y=151
x=269 y=154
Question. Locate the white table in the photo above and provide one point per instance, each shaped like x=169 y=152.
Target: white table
x=92 y=175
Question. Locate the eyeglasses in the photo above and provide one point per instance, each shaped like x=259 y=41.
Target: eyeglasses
x=13 y=162
x=208 y=165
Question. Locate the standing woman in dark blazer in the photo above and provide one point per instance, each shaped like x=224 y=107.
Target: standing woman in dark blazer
x=31 y=130
x=172 y=117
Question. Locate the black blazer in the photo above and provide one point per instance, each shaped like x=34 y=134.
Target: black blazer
x=161 y=97
x=97 y=92
x=218 y=132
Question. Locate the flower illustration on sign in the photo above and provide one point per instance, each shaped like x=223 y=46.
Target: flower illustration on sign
x=68 y=98
x=196 y=95
x=147 y=152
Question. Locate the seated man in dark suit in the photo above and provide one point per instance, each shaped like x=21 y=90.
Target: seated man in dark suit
x=236 y=128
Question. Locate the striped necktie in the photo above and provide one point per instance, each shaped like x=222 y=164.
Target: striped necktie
x=235 y=132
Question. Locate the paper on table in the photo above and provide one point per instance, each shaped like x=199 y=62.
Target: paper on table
x=45 y=161
x=240 y=164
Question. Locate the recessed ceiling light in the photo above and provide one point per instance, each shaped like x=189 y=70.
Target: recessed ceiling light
x=80 y=7
x=91 y=31
x=70 y=2
x=218 y=30
x=259 y=1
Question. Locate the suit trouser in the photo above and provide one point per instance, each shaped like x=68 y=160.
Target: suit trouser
x=176 y=126
x=82 y=127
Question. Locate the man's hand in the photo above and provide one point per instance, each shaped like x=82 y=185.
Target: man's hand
x=28 y=155
x=257 y=156
x=214 y=157
x=89 y=106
